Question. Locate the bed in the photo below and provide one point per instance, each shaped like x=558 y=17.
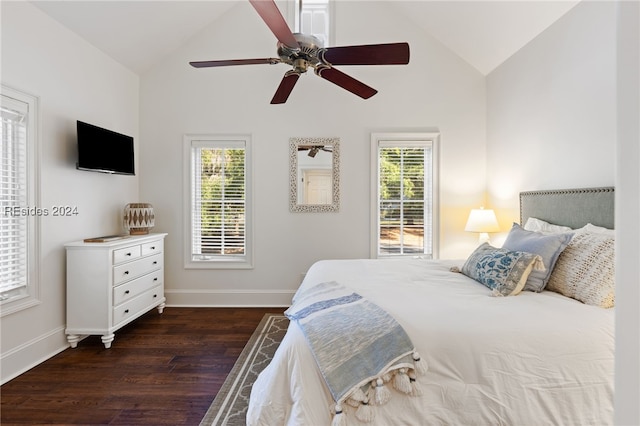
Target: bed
x=541 y=356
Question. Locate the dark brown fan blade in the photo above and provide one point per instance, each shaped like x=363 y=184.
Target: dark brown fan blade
x=271 y=16
x=346 y=82
x=368 y=54
x=284 y=89
x=224 y=63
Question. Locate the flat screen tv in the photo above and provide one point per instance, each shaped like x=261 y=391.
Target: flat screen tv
x=102 y=150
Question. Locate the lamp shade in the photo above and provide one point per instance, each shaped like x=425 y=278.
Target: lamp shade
x=481 y=220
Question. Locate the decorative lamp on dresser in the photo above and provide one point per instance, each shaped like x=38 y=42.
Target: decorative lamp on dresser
x=111 y=282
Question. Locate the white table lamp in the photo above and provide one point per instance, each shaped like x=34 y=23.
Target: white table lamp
x=482 y=221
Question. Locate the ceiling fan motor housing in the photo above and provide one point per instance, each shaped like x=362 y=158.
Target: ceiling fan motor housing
x=307 y=54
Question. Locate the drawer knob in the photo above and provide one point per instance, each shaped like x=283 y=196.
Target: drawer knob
x=126 y=292
x=126 y=311
x=155 y=295
x=128 y=254
x=153 y=247
x=155 y=279
x=155 y=262
x=126 y=272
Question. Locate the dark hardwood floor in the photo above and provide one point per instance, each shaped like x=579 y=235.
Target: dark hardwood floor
x=161 y=370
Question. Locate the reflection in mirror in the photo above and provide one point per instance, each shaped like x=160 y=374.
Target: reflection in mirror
x=314 y=174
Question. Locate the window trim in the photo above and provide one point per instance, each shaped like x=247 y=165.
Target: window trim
x=404 y=139
x=29 y=295
x=221 y=262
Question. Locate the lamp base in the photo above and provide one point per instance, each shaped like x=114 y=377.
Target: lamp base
x=484 y=238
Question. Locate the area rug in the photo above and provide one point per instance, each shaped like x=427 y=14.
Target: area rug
x=229 y=408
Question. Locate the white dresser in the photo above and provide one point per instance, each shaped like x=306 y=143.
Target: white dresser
x=109 y=284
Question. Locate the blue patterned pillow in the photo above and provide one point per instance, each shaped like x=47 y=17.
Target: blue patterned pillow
x=547 y=246
x=503 y=271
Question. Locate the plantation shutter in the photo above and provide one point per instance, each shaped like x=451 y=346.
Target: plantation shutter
x=218 y=200
x=405 y=204
x=13 y=196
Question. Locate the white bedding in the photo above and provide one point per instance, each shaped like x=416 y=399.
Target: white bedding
x=531 y=359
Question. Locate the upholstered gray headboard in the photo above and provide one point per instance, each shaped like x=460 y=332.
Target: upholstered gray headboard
x=569 y=207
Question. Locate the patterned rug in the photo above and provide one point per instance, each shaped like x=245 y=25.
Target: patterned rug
x=229 y=408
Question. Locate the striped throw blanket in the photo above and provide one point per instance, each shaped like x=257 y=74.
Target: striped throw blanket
x=358 y=347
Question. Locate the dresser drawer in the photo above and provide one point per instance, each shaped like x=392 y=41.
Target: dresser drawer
x=126 y=254
x=131 y=308
x=137 y=268
x=132 y=288
x=151 y=248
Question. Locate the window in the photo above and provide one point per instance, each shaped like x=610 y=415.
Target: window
x=404 y=194
x=313 y=17
x=218 y=211
x=19 y=218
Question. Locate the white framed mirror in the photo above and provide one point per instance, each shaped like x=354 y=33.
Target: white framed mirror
x=314 y=174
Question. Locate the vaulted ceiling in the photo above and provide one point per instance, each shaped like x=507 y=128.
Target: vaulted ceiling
x=139 y=33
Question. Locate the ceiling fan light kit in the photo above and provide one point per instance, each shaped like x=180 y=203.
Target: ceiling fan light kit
x=302 y=51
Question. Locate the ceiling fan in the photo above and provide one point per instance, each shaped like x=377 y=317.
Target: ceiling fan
x=303 y=51
x=313 y=149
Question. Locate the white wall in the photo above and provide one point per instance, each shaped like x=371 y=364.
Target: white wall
x=437 y=90
x=74 y=81
x=551 y=110
x=627 y=409
x=563 y=113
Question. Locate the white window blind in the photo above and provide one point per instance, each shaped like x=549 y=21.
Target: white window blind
x=405 y=211
x=218 y=207
x=18 y=215
x=13 y=184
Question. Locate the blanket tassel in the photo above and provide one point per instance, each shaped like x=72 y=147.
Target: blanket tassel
x=356 y=398
x=364 y=413
x=416 y=390
x=338 y=417
x=401 y=381
x=382 y=393
x=419 y=364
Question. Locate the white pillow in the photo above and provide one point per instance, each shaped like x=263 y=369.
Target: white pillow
x=598 y=230
x=538 y=225
x=585 y=270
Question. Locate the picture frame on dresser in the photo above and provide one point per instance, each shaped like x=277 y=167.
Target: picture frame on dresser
x=111 y=283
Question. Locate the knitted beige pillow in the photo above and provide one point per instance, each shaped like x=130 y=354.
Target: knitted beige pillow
x=585 y=270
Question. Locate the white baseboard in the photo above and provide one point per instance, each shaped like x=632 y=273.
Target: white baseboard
x=229 y=298
x=31 y=353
